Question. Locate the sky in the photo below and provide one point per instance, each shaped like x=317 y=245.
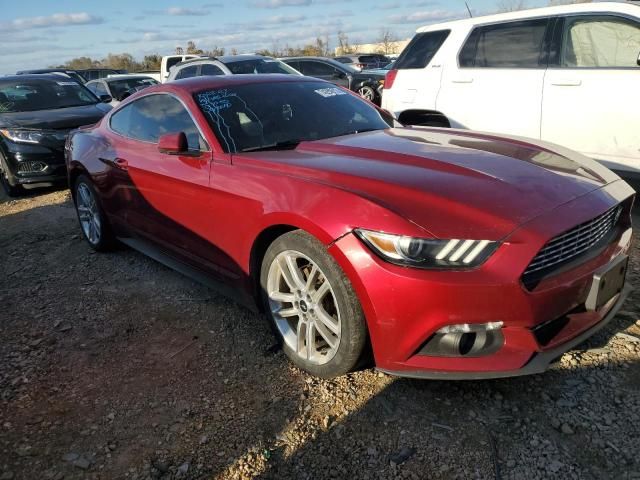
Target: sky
x=41 y=33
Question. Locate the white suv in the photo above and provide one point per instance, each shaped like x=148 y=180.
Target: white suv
x=568 y=75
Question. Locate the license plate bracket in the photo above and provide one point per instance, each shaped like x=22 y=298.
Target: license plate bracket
x=607 y=283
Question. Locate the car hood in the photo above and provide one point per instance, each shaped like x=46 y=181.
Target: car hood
x=452 y=183
x=57 y=119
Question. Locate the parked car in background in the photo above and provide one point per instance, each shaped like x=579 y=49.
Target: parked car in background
x=73 y=74
x=36 y=114
x=97 y=73
x=365 y=60
x=169 y=61
x=448 y=254
x=567 y=74
x=229 y=65
x=368 y=84
x=119 y=87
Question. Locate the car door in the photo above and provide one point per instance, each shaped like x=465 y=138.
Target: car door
x=591 y=101
x=324 y=71
x=161 y=198
x=496 y=83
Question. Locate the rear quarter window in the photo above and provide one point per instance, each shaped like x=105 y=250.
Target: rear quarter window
x=421 y=49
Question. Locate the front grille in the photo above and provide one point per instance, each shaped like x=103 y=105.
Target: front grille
x=573 y=242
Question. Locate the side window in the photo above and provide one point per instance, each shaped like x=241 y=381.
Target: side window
x=507 y=45
x=100 y=89
x=92 y=87
x=600 y=42
x=208 y=69
x=187 y=72
x=421 y=49
x=317 y=69
x=295 y=64
x=152 y=116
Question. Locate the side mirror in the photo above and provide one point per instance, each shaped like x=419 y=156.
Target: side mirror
x=173 y=144
x=105 y=98
x=638 y=61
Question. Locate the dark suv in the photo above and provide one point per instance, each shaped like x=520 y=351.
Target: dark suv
x=36 y=114
x=365 y=61
x=367 y=84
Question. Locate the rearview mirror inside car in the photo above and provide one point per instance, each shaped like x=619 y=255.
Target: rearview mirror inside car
x=338 y=75
x=106 y=98
x=173 y=143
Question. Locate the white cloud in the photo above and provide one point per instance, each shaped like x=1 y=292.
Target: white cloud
x=281 y=3
x=432 y=16
x=55 y=20
x=181 y=11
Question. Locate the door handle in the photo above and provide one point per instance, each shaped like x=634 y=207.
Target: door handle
x=567 y=83
x=462 y=80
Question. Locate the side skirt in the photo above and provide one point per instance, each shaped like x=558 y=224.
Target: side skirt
x=190 y=271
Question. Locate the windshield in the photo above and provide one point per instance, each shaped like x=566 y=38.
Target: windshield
x=260 y=65
x=27 y=95
x=280 y=115
x=119 y=87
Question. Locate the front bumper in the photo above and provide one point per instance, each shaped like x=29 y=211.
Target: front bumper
x=538 y=363
x=34 y=165
x=405 y=307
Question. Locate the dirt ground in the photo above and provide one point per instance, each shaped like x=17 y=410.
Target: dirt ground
x=112 y=366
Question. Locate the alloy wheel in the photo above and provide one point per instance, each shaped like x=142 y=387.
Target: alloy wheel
x=88 y=213
x=304 y=307
x=367 y=93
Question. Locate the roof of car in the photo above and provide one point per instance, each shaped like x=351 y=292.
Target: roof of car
x=537 y=12
x=33 y=76
x=197 y=84
x=44 y=70
x=223 y=58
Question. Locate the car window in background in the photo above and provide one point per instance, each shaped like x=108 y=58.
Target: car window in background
x=187 y=72
x=98 y=88
x=119 y=87
x=173 y=61
x=150 y=117
x=421 y=49
x=30 y=95
x=244 y=118
x=208 y=69
x=600 y=42
x=317 y=69
x=506 y=45
x=259 y=66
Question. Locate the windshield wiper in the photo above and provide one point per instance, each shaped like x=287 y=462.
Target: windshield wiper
x=285 y=145
x=364 y=130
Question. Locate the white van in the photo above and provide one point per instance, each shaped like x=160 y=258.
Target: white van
x=169 y=61
x=567 y=74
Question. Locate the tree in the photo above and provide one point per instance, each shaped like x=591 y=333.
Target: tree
x=179 y=51
x=151 y=62
x=388 y=42
x=192 y=49
x=343 y=44
x=81 y=63
x=216 y=51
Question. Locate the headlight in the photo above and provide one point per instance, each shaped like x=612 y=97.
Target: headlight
x=428 y=253
x=23 y=136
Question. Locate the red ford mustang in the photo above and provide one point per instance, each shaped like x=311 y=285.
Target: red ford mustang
x=454 y=254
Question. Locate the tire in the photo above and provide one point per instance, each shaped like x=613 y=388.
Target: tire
x=11 y=190
x=331 y=314
x=93 y=221
x=367 y=92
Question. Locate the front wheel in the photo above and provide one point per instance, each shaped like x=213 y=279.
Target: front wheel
x=312 y=306
x=9 y=189
x=93 y=222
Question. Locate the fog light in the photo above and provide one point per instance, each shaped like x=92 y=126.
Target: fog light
x=465 y=340
x=31 y=167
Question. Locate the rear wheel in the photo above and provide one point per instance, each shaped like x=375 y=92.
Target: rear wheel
x=312 y=306
x=93 y=222
x=367 y=92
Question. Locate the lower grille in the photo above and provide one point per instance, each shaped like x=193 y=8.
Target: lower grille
x=574 y=242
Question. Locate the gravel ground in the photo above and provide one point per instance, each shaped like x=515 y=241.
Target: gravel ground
x=112 y=366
